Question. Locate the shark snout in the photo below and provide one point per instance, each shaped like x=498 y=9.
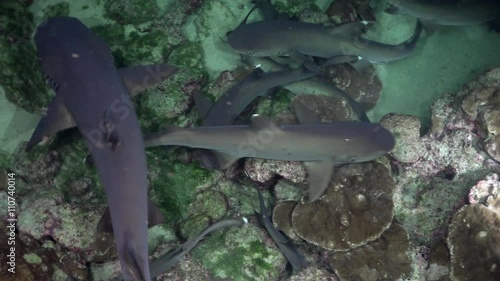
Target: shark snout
x=384 y=138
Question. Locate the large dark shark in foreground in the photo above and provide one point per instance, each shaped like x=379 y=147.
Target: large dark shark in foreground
x=319 y=146
x=91 y=94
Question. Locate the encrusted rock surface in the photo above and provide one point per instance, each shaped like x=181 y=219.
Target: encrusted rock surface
x=355 y=209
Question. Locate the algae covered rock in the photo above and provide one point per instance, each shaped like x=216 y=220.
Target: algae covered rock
x=175 y=184
x=355 y=209
x=208 y=206
x=481 y=103
x=131 y=11
x=427 y=214
x=484 y=189
x=45 y=214
x=240 y=255
x=22 y=81
x=474 y=242
x=406 y=130
x=327 y=108
x=263 y=170
x=363 y=86
x=383 y=259
x=285 y=190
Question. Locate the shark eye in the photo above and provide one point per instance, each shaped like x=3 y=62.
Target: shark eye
x=249 y=52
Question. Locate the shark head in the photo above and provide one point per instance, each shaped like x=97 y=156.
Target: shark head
x=57 y=56
x=368 y=141
x=251 y=41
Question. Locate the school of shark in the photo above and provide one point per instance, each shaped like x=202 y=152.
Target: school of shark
x=94 y=96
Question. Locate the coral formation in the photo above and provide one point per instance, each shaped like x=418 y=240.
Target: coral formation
x=355 y=209
x=383 y=259
x=406 y=130
x=474 y=243
x=327 y=108
x=282 y=218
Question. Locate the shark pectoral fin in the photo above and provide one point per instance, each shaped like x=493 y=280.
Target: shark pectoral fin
x=305 y=115
x=223 y=160
x=202 y=103
x=361 y=66
x=140 y=78
x=155 y=217
x=319 y=175
x=104 y=224
x=89 y=160
x=56 y=119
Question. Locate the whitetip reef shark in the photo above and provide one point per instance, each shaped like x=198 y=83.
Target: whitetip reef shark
x=232 y=103
x=319 y=146
x=461 y=13
x=92 y=94
x=270 y=38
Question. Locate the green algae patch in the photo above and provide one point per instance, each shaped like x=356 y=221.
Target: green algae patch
x=174 y=185
x=242 y=198
x=22 y=81
x=239 y=254
x=113 y=34
x=32 y=258
x=277 y=104
x=295 y=7
x=189 y=56
x=144 y=48
x=76 y=179
x=131 y=11
x=59 y=9
x=208 y=206
x=130 y=46
x=5 y=159
x=163 y=104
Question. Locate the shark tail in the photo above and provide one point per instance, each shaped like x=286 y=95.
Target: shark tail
x=412 y=41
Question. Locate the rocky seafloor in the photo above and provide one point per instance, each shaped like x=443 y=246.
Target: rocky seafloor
x=429 y=210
